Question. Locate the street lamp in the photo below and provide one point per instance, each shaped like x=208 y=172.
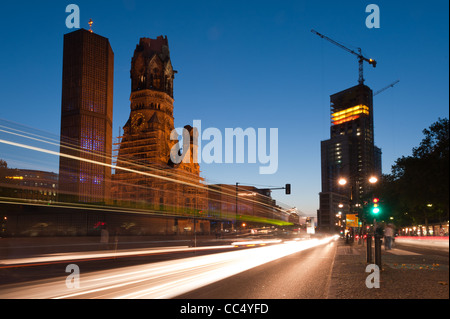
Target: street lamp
x=353 y=200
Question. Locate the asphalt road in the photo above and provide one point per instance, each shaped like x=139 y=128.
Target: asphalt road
x=303 y=275
x=302 y=269
x=293 y=269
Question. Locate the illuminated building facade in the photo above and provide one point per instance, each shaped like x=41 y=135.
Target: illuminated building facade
x=255 y=206
x=350 y=153
x=150 y=179
x=86 y=117
x=28 y=184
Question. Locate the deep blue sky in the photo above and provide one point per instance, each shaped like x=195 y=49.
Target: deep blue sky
x=245 y=64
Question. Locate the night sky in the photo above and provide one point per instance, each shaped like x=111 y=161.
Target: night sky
x=244 y=64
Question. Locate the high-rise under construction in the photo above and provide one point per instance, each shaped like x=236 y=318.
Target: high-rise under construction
x=349 y=157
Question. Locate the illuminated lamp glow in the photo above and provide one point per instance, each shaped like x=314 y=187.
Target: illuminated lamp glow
x=14 y=177
x=373 y=180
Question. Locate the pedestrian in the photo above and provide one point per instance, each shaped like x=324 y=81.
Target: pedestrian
x=388 y=235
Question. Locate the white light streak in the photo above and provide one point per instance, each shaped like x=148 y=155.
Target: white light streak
x=104 y=254
x=39 y=149
x=165 y=279
x=53 y=142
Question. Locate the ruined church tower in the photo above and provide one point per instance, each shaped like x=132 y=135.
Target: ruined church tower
x=145 y=144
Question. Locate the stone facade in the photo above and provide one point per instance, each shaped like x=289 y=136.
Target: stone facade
x=145 y=175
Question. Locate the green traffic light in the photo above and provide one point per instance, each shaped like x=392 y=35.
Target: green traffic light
x=375 y=210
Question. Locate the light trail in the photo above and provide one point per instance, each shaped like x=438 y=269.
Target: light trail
x=96 y=255
x=42 y=150
x=256 y=242
x=165 y=279
x=137 y=168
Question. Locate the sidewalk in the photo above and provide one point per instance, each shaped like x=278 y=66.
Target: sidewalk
x=404 y=275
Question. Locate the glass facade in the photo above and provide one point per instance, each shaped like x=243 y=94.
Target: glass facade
x=86 y=119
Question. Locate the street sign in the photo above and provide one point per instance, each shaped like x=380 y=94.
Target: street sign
x=352 y=220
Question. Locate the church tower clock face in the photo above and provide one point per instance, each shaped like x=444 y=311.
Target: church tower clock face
x=138 y=122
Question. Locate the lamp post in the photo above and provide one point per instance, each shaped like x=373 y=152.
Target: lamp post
x=375 y=211
x=342 y=181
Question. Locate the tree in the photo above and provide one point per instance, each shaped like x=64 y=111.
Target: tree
x=417 y=189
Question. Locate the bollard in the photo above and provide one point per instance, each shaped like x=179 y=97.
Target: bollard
x=378 y=250
x=369 y=249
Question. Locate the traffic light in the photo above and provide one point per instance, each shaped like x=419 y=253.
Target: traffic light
x=376 y=208
x=288 y=189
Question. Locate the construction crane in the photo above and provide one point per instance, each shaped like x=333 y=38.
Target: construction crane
x=361 y=58
x=387 y=87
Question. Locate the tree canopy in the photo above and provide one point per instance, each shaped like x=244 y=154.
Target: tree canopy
x=416 y=191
